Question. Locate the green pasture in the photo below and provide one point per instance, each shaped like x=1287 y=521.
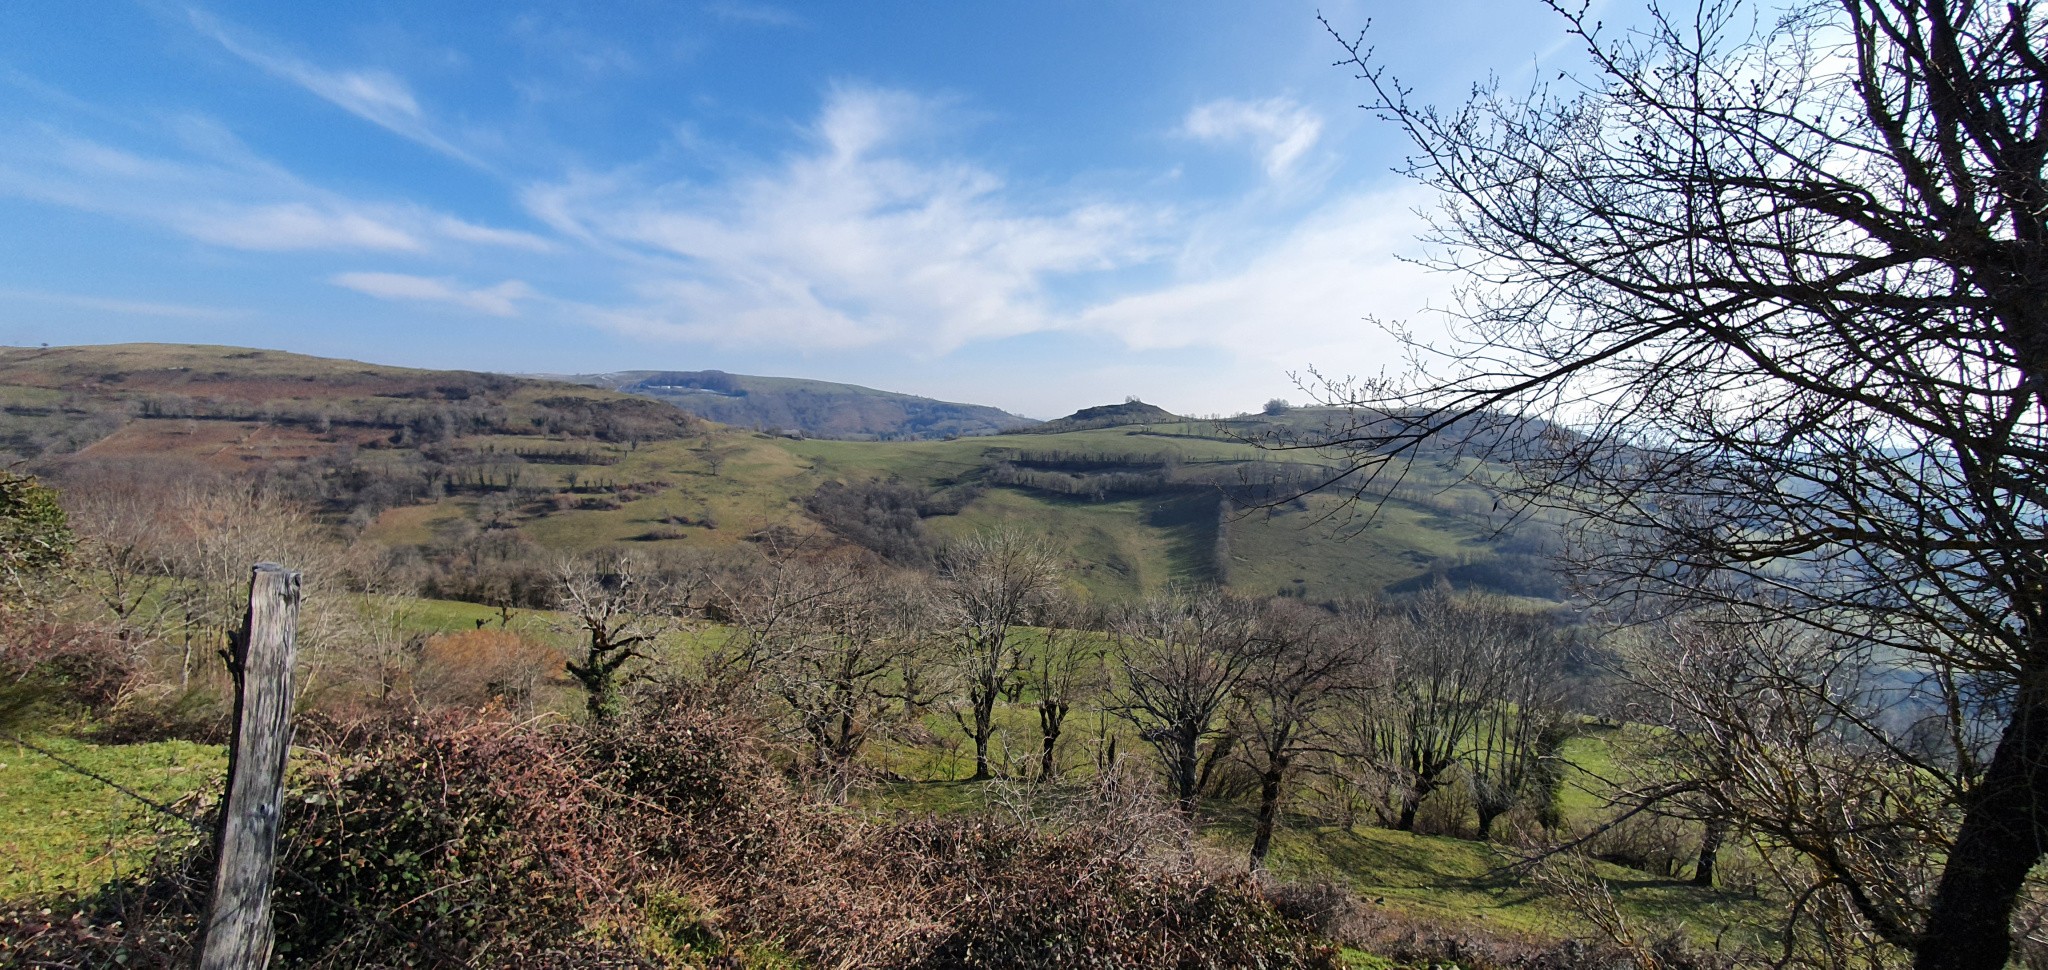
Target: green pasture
x=64 y=831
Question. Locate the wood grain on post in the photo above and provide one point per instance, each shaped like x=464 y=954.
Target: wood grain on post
x=238 y=930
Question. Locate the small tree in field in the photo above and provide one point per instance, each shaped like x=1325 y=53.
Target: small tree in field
x=1182 y=656
x=1065 y=669
x=617 y=605
x=991 y=583
x=1285 y=701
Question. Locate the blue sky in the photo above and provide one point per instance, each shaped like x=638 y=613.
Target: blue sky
x=1040 y=206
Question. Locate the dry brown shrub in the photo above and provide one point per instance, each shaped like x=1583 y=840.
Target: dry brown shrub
x=1447 y=811
x=53 y=667
x=1656 y=844
x=477 y=667
x=668 y=838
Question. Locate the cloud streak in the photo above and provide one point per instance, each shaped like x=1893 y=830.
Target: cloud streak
x=139 y=308
x=376 y=96
x=217 y=192
x=1278 y=129
x=850 y=242
x=501 y=300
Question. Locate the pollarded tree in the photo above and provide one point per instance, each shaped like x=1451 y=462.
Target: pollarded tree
x=1515 y=754
x=1182 y=654
x=618 y=603
x=1783 y=273
x=991 y=584
x=1445 y=678
x=1287 y=701
x=1065 y=668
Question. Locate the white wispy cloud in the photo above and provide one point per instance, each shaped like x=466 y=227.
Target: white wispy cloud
x=1279 y=129
x=501 y=300
x=295 y=226
x=372 y=94
x=140 y=308
x=216 y=191
x=855 y=241
x=1297 y=300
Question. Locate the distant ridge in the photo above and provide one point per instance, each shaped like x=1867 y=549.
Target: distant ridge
x=1111 y=416
x=819 y=409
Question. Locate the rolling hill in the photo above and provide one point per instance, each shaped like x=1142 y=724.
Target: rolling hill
x=449 y=459
x=818 y=409
x=1130 y=412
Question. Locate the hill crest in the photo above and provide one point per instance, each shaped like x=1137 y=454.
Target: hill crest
x=1132 y=411
x=818 y=409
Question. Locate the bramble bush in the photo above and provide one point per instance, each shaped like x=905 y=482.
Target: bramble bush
x=668 y=838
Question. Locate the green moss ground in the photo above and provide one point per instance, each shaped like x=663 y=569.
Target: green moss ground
x=62 y=831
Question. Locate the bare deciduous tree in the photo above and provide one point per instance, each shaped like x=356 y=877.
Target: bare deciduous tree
x=1849 y=769
x=1516 y=750
x=1066 y=668
x=124 y=532
x=1287 y=700
x=1182 y=654
x=1780 y=271
x=843 y=649
x=618 y=605
x=838 y=672
x=1445 y=679
x=992 y=583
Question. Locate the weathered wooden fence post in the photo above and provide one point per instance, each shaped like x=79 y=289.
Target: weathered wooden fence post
x=238 y=930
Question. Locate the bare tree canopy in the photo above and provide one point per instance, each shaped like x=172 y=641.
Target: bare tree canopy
x=992 y=584
x=1765 y=300
x=618 y=603
x=1183 y=654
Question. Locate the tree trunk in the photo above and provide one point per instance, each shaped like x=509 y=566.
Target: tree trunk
x=1269 y=813
x=984 y=728
x=844 y=747
x=1406 y=821
x=1969 y=922
x=1051 y=715
x=1186 y=775
x=1487 y=816
x=1710 y=851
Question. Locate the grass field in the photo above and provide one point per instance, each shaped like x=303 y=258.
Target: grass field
x=63 y=831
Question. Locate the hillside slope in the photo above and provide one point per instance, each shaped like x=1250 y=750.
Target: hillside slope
x=820 y=409
x=218 y=404
x=1131 y=412
x=450 y=463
